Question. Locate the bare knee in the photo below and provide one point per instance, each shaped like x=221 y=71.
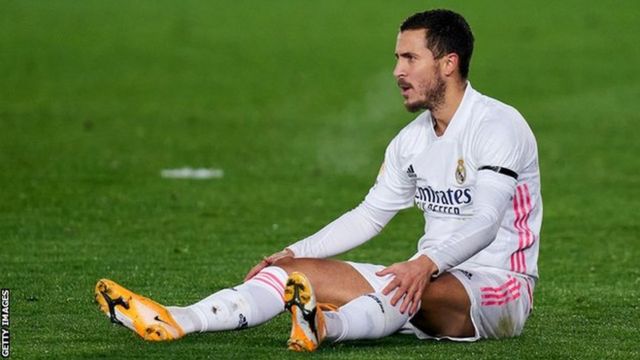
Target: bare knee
x=333 y=281
x=286 y=263
x=303 y=265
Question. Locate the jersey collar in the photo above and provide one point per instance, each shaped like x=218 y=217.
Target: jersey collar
x=460 y=117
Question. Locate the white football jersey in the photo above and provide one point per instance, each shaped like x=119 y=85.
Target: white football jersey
x=439 y=174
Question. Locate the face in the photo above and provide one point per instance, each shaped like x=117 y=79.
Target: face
x=417 y=73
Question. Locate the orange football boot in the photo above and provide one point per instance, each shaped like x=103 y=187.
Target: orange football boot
x=145 y=317
x=308 y=328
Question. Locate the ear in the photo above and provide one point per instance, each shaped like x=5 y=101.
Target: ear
x=449 y=64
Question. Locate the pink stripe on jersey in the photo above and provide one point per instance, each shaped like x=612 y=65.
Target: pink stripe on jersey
x=528 y=198
x=522 y=233
x=515 y=259
x=522 y=210
x=525 y=226
x=265 y=281
x=530 y=236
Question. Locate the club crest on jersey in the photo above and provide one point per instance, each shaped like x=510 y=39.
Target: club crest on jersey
x=461 y=173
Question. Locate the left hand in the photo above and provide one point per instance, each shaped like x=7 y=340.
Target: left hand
x=269 y=260
x=411 y=278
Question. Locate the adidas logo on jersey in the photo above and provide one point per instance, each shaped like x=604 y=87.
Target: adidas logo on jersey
x=410 y=172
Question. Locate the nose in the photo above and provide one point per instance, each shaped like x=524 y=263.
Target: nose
x=398 y=70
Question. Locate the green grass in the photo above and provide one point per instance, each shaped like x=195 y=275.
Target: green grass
x=295 y=101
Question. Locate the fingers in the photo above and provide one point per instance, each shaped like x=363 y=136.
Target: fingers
x=402 y=290
x=385 y=271
x=396 y=283
x=410 y=300
x=408 y=285
x=415 y=301
x=390 y=287
x=410 y=296
x=415 y=306
x=278 y=256
x=400 y=293
x=268 y=260
x=414 y=296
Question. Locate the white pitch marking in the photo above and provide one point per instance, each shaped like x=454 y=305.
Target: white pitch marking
x=190 y=173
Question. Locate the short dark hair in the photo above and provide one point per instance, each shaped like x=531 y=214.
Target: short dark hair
x=447 y=32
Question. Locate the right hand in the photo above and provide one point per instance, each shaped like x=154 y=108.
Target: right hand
x=410 y=278
x=269 y=260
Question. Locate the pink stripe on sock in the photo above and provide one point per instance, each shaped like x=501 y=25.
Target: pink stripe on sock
x=265 y=281
x=275 y=279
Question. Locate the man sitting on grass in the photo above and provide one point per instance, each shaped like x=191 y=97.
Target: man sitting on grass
x=469 y=162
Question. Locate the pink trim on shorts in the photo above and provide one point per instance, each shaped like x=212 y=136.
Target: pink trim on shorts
x=530 y=296
x=497 y=296
x=508 y=283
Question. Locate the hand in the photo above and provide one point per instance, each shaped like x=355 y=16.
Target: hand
x=411 y=278
x=269 y=260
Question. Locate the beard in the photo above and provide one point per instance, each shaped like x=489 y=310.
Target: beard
x=432 y=96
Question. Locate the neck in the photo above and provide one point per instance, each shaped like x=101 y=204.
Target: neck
x=444 y=113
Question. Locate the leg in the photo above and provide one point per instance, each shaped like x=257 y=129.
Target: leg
x=475 y=303
x=370 y=316
x=261 y=298
x=334 y=282
x=251 y=303
x=364 y=314
x=445 y=309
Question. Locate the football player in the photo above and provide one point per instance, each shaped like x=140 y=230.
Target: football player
x=468 y=161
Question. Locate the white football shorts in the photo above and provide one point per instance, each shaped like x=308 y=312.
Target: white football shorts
x=501 y=301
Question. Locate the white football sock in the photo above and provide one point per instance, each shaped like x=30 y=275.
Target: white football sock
x=249 y=304
x=369 y=316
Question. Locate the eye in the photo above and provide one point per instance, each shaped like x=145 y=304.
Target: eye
x=409 y=57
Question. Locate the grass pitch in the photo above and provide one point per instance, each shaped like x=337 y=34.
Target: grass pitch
x=296 y=103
